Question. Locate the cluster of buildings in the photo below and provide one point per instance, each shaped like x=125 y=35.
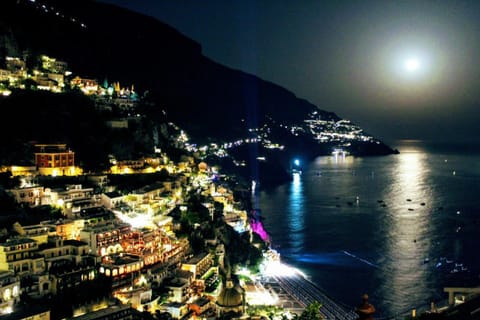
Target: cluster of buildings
x=126 y=239
x=51 y=74
x=338 y=132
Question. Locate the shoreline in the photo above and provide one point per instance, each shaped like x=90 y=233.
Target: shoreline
x=298 y=291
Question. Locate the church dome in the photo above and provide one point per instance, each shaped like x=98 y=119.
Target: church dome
x=230 y=296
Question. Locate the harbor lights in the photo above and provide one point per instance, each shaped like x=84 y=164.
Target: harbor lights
x=296 y=166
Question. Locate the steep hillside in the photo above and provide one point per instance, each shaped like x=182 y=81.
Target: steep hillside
x=212 y=102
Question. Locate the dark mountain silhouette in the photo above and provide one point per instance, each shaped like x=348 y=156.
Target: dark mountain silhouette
x=210 y=101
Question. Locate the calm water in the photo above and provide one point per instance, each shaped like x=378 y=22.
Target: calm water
x=366 y=225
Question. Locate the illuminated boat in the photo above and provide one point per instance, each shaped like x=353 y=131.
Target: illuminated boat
x=339 y=152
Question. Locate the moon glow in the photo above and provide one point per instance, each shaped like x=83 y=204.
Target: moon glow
x=412 y=64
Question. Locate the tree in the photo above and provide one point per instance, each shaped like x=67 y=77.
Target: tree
x=311 y=312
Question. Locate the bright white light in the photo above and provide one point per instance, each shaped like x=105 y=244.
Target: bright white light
x=412 y=64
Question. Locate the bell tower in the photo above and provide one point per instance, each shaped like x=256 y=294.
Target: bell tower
x=365 y=310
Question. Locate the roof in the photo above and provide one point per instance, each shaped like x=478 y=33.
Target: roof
x=176 y=283
x=103 y=313
x=15 y=241
x=75 y=243
x=469 y=310
x=230 y=297
x=196 y=259
x=25 y=312
x=151 y=187
x=121 y=259
x=201 y=301
x=113 y=194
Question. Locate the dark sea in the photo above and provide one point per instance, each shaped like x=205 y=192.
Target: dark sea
x=399 y=228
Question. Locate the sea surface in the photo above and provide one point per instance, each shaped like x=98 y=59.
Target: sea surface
x=399 y=228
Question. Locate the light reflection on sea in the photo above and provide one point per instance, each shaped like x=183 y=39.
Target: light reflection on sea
x=357 y=225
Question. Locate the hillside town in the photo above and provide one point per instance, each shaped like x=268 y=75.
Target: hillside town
x=153 y=237
x=128 y=240
x=53 y=75
x=149 y=238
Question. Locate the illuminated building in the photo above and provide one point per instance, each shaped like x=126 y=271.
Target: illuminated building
x=54 y=65
x=126 y=166
x=123 y=268
x=117 y=312
x=32 y=196
x=148 y=193
x=199 y=265
x=178 y=289
x=231 y=300
x=200 y=306
x=57 y=249
x=29 y=312
x=16 y=66
x=4 y=75
x=176 y=309
x=238 y=220
x=100 y=180
x=9 y=291
x=55 y=160
x=38 y=232
x=88 y=86
x=106 y=238
x=45 y=83
x=69 y=229
x=139 y=296
x=74 y=198
x=23 y=170
x=146 y=243
x=112 y=199
x=20 y=255
x=68 y=276
x=126 y=103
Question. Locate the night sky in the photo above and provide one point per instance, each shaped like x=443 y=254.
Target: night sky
x=400 y=69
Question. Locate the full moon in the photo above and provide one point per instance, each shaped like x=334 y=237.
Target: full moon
x=411 y=64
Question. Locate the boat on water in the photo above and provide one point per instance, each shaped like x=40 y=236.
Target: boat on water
x=296 y=171
x=339 y=152
x=426 y=260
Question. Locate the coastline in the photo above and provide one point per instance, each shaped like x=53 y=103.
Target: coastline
x=297 y=291
x=292 y=288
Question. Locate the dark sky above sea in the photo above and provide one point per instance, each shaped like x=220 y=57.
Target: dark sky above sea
x=400 y=69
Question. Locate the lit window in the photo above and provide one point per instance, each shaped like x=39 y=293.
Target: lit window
x=7 y=294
